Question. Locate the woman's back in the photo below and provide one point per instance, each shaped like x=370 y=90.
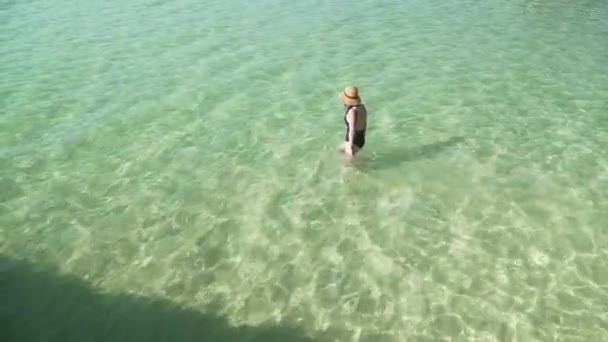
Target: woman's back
x=359 y=116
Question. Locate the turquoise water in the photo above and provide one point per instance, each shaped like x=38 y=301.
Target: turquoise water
x=184 y=153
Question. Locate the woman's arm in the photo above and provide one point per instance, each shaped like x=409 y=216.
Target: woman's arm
x=352 y=124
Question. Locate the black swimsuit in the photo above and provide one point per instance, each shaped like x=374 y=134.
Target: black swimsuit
x=359 y=138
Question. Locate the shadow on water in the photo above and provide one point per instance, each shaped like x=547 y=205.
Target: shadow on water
x=395 y=157
x=40 y=305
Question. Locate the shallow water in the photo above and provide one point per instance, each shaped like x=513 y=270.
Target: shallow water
x=186 y=152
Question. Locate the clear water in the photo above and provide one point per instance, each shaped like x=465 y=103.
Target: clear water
x=184 y=152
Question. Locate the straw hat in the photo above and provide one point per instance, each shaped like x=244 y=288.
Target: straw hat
x=350 y=96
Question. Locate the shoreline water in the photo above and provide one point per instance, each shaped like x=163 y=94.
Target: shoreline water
x=185 y=153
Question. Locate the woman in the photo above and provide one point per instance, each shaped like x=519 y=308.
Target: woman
x=355 y=119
